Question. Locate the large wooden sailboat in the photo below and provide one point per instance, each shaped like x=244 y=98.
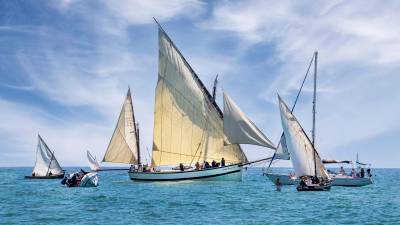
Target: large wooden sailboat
x=46 y=165
x=189 y=127
x=124 y=144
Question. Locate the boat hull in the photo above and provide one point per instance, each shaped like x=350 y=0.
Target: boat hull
x=284 y=179
x=227 y=173
x=89 y=180
x=345 y=181
x=326 y=187
x=58 y=176
x=349 y=181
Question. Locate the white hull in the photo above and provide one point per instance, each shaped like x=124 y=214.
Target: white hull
x=89 y=180
x=227 y=173
x=338 y=180
x=283 y=179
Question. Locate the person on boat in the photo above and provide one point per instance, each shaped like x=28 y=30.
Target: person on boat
x=206 y=165
x=214 y=164
x=181 y=167
x=33 y=174
x=197 y=165
x=302 y=181
x=369 y=172
x=362 y=173
x=222 y=162
x=341 y=171
x=71 y=182
x=50 y=173
x=353 y=173
x=314 y=180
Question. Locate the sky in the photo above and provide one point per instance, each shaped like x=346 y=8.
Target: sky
x=66 y=65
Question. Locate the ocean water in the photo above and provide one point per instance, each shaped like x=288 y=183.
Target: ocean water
x=255 y=200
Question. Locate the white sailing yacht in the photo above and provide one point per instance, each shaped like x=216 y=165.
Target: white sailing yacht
x=46 y=165
x=124 y=143
x=93 y=163
x=190 y=128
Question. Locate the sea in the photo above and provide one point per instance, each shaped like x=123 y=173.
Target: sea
x=255 y=200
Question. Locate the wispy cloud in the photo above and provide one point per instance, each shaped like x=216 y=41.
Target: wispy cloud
x=358 y=63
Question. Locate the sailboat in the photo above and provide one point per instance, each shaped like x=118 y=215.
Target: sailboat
x=282 y=152
x=189 y=127
x=358 y=178
x=46 y=165
x=305 y=159
x=93 y=163
x=124 y=143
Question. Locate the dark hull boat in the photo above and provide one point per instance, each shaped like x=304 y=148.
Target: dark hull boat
x=56 y=176
x=46 y=165
x=314 y=187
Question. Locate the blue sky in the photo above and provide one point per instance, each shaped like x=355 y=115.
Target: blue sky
x=65 y=67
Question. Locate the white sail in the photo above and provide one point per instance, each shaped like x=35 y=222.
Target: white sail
x=282 y=151
x=239 y=128
x=300 y=147
x=93 y=163
x=123 y=146
x=187 y=123
x=46 y=163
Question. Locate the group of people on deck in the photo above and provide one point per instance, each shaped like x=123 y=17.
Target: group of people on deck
x=206 y=165
x=353 y=173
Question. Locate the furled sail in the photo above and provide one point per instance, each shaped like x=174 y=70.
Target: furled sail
x=46 y=162
x=282 y=151
x=239 y=128
x=187 y=122
x=123 y=144
x=299 y=145
x=93 y=163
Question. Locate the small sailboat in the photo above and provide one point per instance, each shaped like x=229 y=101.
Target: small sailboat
x=306 y=161
x=46 y=165
x=190 y=128
x=93 y=163
x=282 y=152
x=124 y=143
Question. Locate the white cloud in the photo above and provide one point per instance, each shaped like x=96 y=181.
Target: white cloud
x=359 y=58
x=86 y=69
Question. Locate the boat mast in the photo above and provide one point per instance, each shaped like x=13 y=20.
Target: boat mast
x=294 y=105
x=215 y=88
x=314 y=105
x=138 y=142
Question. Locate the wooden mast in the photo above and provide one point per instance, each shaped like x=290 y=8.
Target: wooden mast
x=314 y=105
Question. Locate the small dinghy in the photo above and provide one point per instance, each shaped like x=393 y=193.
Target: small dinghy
x=46 y=165
x=81 y=179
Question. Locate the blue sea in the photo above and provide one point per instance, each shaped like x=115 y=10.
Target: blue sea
x=255 y=200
